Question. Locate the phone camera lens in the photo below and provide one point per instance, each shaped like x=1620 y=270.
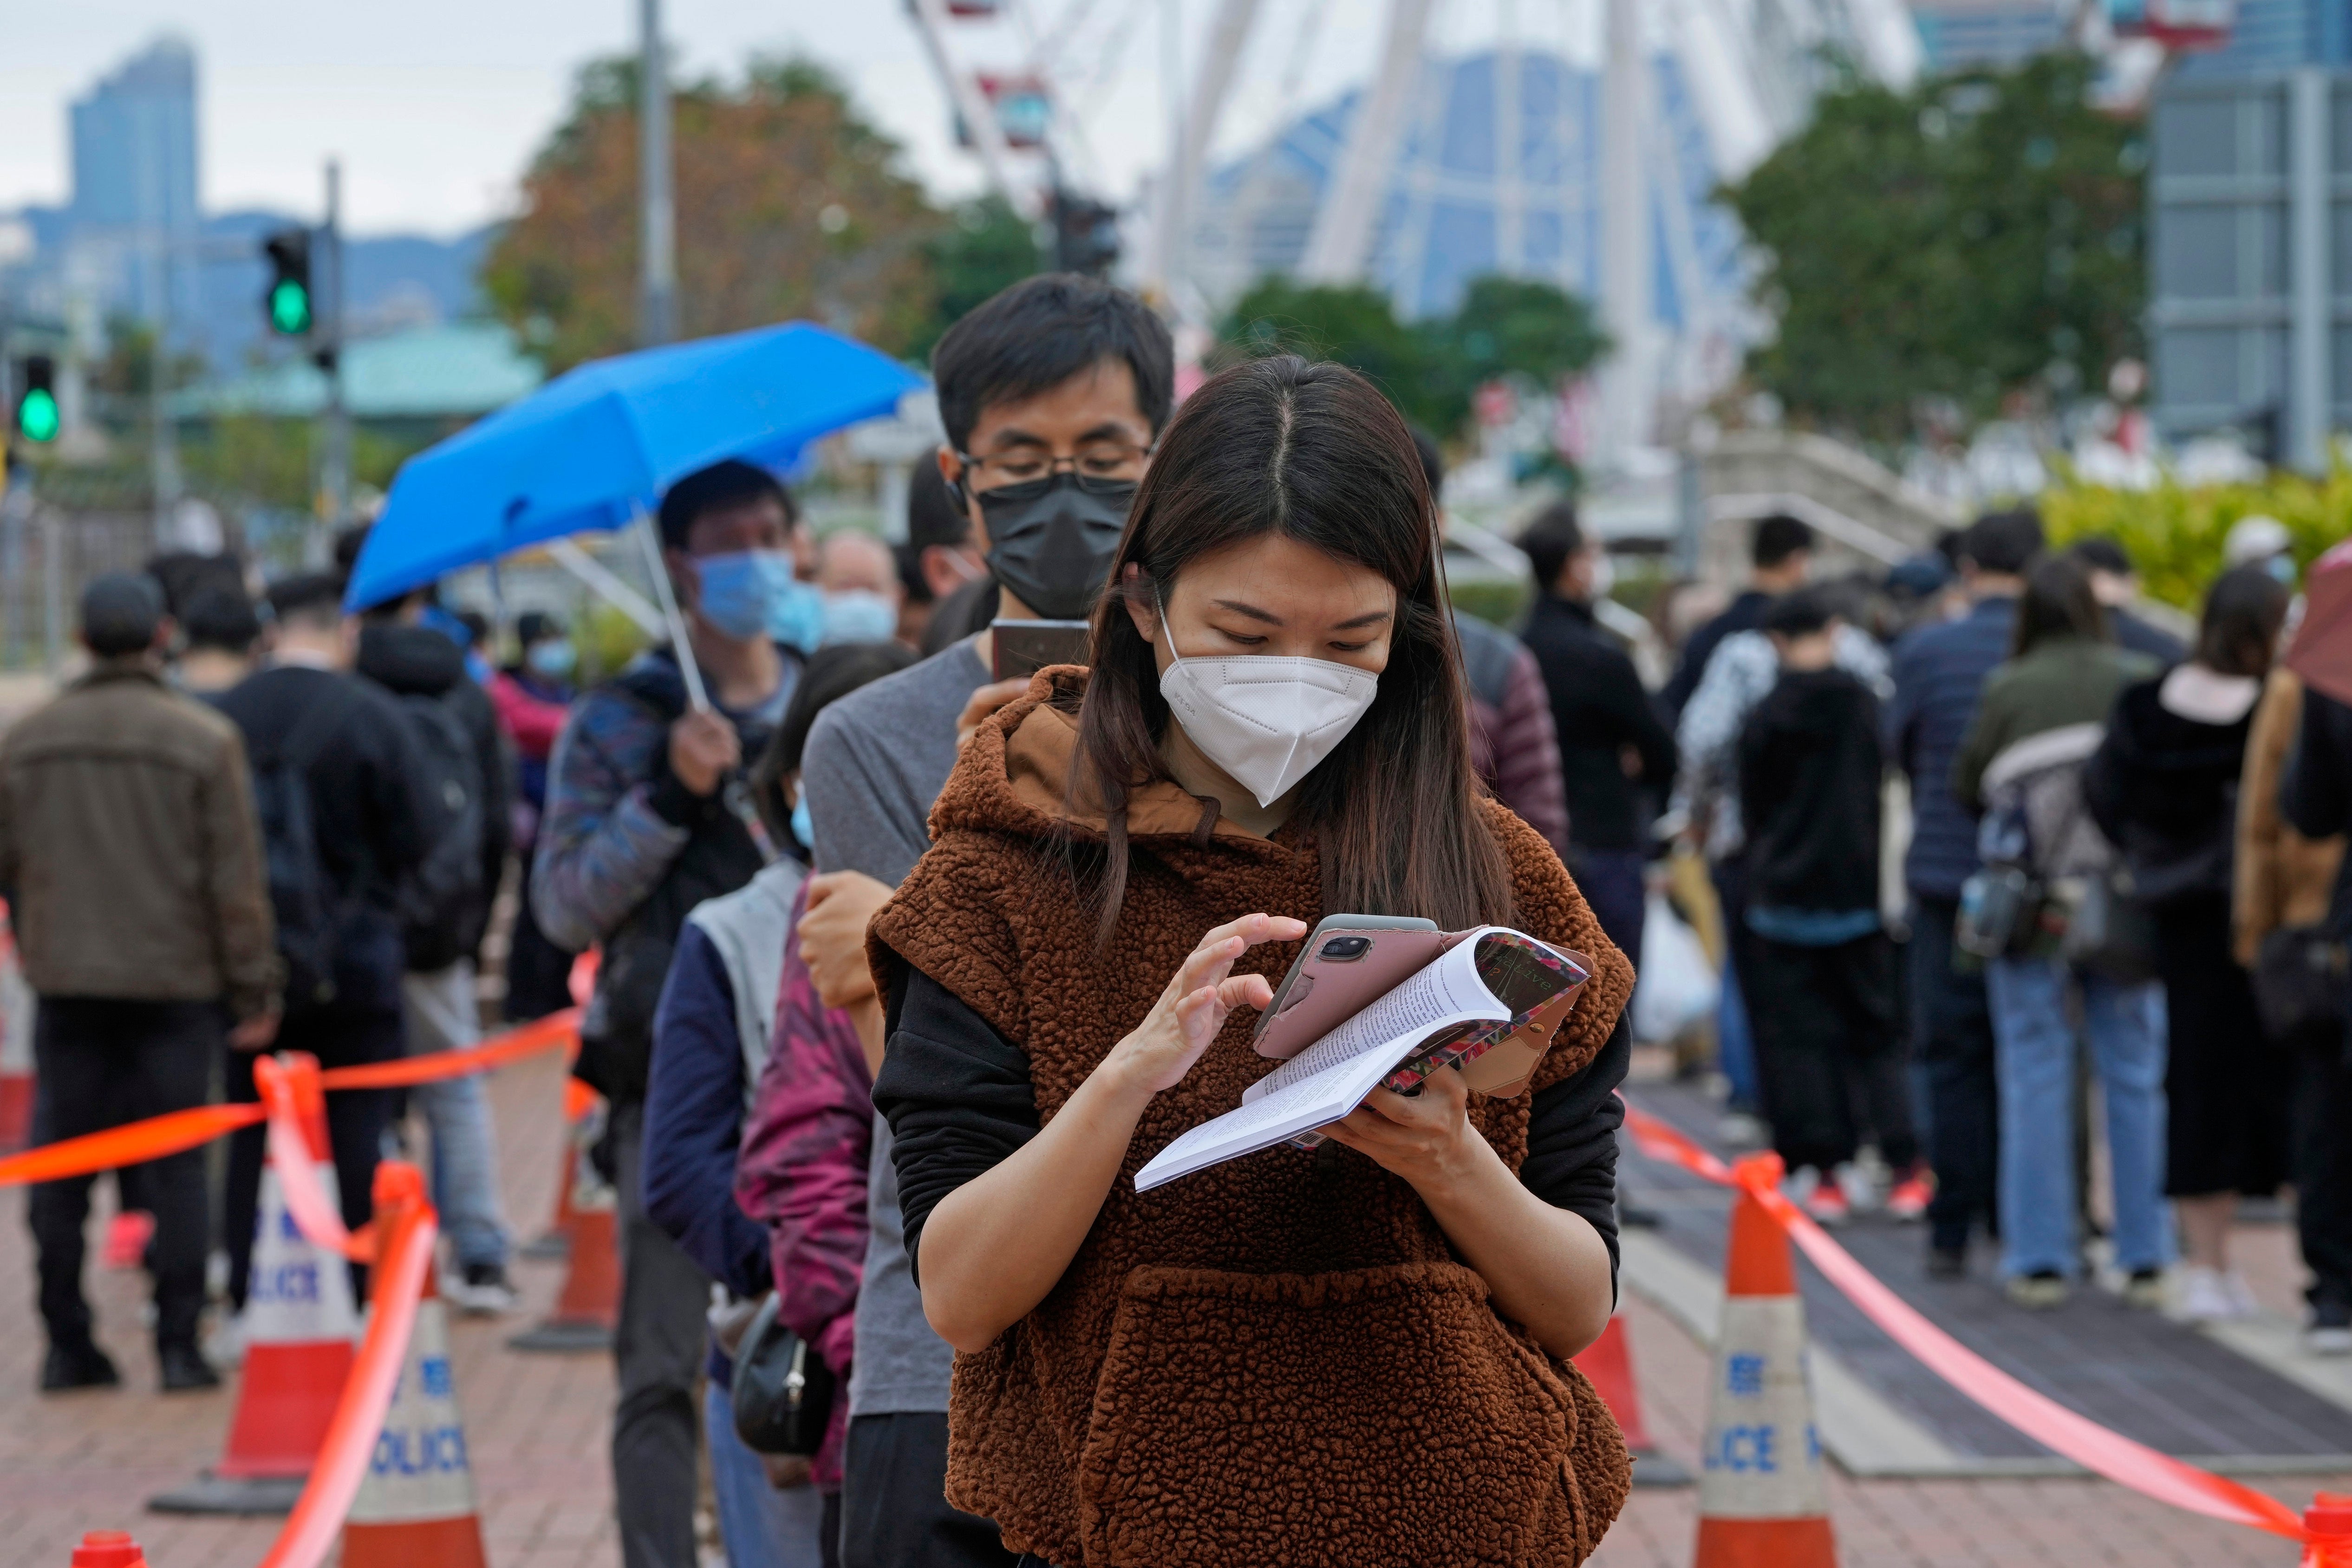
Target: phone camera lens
x=1340 y=949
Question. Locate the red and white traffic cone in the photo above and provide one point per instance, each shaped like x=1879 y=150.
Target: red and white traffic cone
x=415 y=1503
x=1763 y=1499
x=589 y=1307
x=1607 y=1364
x=300 y=1323
x=108 y=1549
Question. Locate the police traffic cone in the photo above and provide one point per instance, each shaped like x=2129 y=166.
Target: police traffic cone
x=299 y=1325
x=2328 y=1523
x=1763 y=1501
x=590 y=1305
x=1607 y=1364
x=415 y=1503
x=15 y=1045
x=108 y=1549
x=579 y=1105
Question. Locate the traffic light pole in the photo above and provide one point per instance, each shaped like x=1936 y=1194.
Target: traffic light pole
x=657 y=234
x=334 y=503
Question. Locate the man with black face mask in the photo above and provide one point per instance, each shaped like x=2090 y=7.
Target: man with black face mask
x=1053 y=393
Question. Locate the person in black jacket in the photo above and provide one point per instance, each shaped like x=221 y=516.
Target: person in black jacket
x=1616 y=758
x=2316 y=797
x=2164 y=788
x=425 y=669
x=346 y=736
x=1822 y=991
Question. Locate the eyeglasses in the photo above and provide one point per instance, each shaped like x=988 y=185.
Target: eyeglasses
x=1097 y=465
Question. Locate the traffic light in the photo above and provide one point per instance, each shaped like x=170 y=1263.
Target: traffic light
x=1086 y=234
x=287 y=304
x=37 y=398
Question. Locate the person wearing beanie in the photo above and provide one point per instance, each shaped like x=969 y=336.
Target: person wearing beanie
x=131 y=860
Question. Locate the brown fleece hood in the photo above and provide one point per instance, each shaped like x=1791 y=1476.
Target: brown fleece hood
x=1278 y=1360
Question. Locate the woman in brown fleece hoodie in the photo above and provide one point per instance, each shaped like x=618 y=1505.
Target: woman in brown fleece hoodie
x=1355 y=1355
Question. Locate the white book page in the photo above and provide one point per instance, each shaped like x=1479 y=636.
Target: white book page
x=1446 y=991
x=1325 y=1082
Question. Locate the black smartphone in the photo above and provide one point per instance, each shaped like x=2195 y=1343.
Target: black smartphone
x=1026 y=647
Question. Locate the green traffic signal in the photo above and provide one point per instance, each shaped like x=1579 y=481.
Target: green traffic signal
x=290 y=307
x=36 y=415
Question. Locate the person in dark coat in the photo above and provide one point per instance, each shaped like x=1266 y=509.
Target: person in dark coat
x=2164 y=788
x=2115 y=581
x=1822 y=988
x=1616 y=759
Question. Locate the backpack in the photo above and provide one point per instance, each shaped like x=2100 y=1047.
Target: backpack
x=435 y=899
x=303 y=898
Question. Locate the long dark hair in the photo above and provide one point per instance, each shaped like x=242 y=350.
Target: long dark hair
x=2243 y=612
x=2057 y=602
x=1313 y=452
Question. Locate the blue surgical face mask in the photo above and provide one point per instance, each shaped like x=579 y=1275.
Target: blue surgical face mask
x=859 y=615
x=746 y=593
x=803 y=829
x=553 y=657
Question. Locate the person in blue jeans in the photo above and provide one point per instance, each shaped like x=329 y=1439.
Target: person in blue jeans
x=2020 y=768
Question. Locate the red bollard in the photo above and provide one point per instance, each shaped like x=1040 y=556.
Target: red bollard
x=108 y=1549
x=2329 y=1520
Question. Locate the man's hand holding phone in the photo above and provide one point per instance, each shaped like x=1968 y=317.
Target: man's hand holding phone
x=833 y=934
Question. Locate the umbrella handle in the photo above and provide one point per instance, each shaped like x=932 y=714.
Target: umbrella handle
x=649 y=535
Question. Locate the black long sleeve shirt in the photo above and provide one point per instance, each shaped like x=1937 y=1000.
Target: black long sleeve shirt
x=959 y=1100
x=1599 y=708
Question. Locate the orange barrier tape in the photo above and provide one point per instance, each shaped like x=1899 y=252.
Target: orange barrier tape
x=134 y=1144
x=524 y=1040
x=2047 y=1422
x=318 y=1518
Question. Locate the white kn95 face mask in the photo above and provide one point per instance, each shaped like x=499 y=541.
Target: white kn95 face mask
x=1266 y=720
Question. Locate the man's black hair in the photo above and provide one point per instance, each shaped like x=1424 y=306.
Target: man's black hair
x=348 y=542
x=722 y=486
x=119 y=613
x=220 y=615
x=2103 y=552
x=1037 y=334
x=1802 y=612
x=536 y=627
x=1548 y=541
x=2003 y=542
x=313 y=596
x=183 y=574
x=1777 y=537
x=932 y=519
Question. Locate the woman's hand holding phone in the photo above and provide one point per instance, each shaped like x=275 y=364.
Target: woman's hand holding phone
x=1198 y=998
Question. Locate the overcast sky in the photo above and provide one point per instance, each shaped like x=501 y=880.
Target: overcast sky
x=434 y=106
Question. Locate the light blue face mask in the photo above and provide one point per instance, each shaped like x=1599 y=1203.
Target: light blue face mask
x=746 y=592
x=803 y=828
x=859 y=615
x=553 y=657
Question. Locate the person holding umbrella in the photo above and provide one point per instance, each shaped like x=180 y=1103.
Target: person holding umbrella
x=646 y=817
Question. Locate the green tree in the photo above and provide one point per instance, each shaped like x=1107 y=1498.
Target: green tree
x=1977 y=235
x=789 y=203
x=987 y=247
x=1505 y=327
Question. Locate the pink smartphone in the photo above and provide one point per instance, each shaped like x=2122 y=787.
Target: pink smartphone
x=1349 y=961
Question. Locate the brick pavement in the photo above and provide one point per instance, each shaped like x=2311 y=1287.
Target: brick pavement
x=536 y=1427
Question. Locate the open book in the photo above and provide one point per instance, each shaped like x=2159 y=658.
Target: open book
x=1489 y=983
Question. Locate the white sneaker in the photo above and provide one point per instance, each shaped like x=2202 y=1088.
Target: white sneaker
x=2329 y=1339
x=2242 y=1294
x=223 y=1346
x=480 y=1289
x=2206 y=1297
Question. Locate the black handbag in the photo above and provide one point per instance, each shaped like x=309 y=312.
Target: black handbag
x=2109 y=931
x=2300 y=974
x=782 y=1390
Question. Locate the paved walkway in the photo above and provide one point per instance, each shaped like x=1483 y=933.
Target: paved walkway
x=535 y=1425
x=536 y=1429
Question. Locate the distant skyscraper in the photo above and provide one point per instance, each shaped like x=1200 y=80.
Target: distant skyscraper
x=1961 y=32
x=135 y=144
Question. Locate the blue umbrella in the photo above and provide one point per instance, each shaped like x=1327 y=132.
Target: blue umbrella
x=597 y=447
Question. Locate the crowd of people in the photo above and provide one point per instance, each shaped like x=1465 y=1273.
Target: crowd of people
x=908 y=957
